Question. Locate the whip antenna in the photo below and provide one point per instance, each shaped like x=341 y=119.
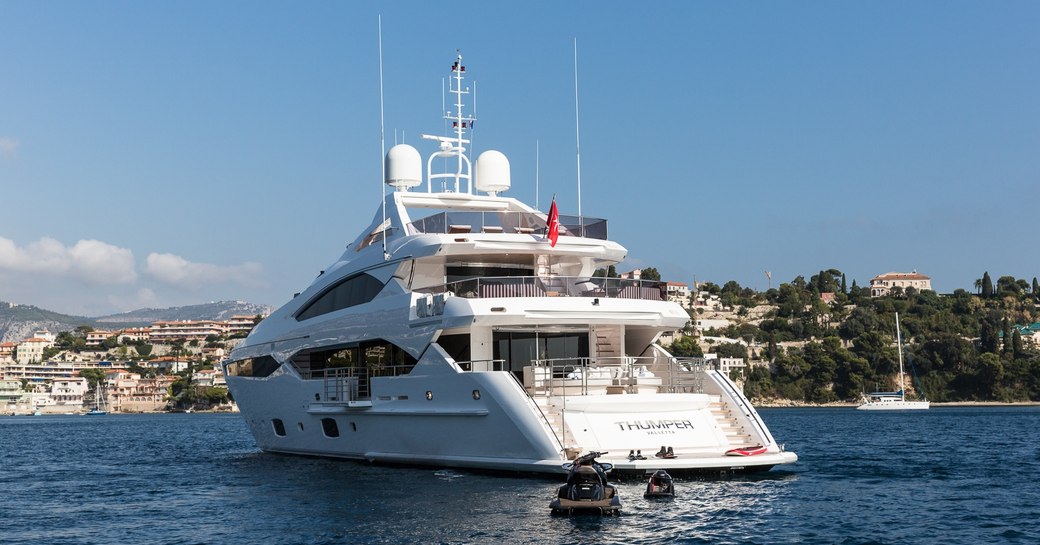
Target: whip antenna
x=382 y=134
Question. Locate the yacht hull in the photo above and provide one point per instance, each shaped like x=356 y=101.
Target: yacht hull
x=440 y=417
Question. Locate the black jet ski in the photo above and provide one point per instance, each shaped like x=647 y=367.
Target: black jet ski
x=660 y=485
x=587 y=490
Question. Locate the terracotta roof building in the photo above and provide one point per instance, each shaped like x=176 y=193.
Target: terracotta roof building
x=882 y=284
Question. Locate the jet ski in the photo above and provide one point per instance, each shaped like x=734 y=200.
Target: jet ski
x=587 y=490
x=660 y=485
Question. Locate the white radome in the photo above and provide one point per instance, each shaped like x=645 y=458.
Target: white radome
x=492 y=172
x=403 y=167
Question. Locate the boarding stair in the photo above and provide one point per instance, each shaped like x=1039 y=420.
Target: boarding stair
x=728 y=423
x=554 y=418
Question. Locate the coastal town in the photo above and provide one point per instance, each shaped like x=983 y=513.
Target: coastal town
x=174 y=365
x=126 y=370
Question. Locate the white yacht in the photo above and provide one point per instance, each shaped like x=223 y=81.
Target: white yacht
x=464 y=328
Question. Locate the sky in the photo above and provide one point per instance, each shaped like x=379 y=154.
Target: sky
x=157 y=154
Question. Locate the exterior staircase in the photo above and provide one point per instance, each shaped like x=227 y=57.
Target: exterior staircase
x=554 y=416
x=608 y=342
x=728 y=423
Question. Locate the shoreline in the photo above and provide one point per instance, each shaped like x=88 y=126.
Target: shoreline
x=786 y=404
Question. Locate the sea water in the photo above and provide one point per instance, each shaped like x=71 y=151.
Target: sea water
x=945 y=476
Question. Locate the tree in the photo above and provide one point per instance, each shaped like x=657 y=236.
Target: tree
x=1008 y=285
x=1006 y=331
x=144 y=350
x=987 y=285
x=609 y=272
x=94 y=377
x=861 y=320
x=988 y=339
x=1036 y=288
x=844 y=288
x=732 y=350
x=686 y=347
x=1016 y=344
x=988 y=376
x=650 y=273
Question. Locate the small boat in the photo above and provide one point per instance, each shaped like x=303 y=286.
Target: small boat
x=660 y=485
x=746 y=451
x=99 y=403
x=587 y=490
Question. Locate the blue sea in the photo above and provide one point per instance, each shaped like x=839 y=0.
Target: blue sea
x=946 y=476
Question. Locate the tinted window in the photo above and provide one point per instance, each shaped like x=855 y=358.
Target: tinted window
x=350 y=292
x=253 y=367
x=328 y=425
x=279 y=427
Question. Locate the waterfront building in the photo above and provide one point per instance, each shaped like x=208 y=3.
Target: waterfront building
x=129 y=392
x=68 y=392
x=882 y=284
x=12 y=398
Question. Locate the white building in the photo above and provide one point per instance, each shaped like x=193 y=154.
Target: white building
x=679 y=293
x=705 y=324
x=68 y=392
x=31 y=350
x=882 y=284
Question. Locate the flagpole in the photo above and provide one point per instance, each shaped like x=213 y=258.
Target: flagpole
x=577 y=137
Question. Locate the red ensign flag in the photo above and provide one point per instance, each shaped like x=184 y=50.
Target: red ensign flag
x=554 y=223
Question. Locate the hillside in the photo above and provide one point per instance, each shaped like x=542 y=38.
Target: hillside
x=219 y=310
x=18 y=322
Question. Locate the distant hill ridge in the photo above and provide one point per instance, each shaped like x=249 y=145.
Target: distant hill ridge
x=17 y=322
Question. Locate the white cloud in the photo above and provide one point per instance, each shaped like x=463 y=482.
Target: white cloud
x=91 y=261
x=176 y=271
x=8 y=146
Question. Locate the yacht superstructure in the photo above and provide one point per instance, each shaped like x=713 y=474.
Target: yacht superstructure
x=464 y=328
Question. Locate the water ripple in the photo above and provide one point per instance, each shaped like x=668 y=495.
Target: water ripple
x=951 y=476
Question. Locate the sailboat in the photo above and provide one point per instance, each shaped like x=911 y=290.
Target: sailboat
x=99 y=405
x=893 y=401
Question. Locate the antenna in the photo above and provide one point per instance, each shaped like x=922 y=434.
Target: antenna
x=577 y=136
x=536 y=172
x=454 y=146
x=382 y=135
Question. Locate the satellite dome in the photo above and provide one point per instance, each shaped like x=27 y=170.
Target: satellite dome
x=403 y=167
x=492 y=172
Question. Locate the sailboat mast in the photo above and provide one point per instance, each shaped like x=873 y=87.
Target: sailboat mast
x=899 y=344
